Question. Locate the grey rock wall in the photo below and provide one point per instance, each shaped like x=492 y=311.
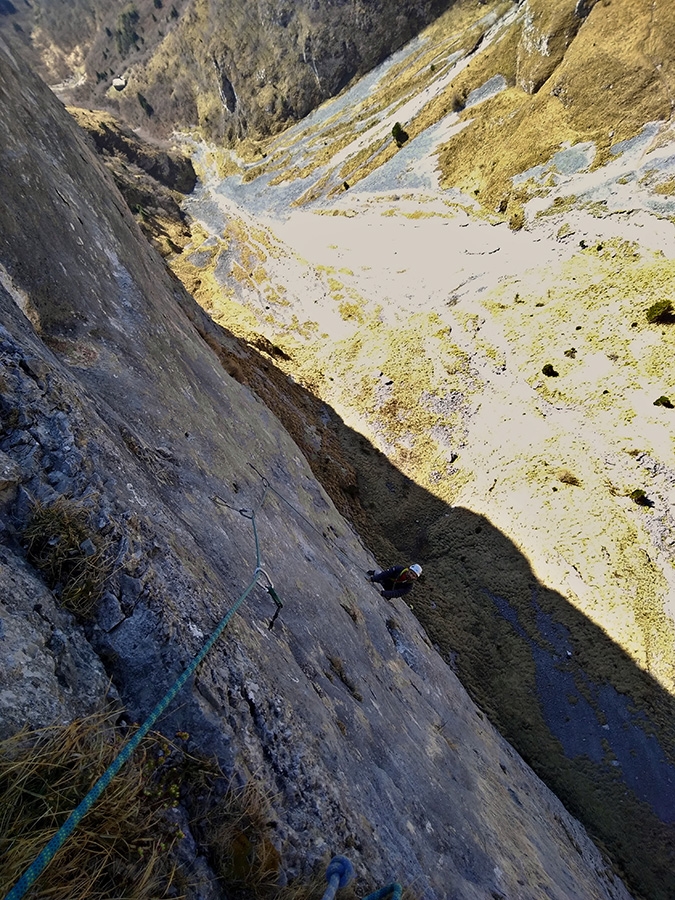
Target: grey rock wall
x=48 y=670
x=365 y=738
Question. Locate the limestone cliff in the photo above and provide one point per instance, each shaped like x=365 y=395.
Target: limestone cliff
x=112 y=398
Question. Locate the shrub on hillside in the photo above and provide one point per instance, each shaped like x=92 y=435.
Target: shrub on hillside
x=145 y=105
x=399 y=135
x=661 y=311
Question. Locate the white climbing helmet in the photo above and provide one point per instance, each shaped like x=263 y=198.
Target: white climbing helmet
x=416 y=569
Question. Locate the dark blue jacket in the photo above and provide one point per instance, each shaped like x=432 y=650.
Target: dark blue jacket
x=397 y=581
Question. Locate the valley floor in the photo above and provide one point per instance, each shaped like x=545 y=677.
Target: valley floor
x=523 y=401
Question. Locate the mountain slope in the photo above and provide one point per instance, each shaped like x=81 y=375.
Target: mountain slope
x=231 y=69
x=480 y=302
x=113 y=400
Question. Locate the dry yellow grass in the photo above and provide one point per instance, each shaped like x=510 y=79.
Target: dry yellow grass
x=74 y=560
x=122 y=847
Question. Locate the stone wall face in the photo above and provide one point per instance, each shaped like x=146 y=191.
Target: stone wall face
x=112 y=400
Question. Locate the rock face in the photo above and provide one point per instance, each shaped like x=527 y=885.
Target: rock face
x=111 y=138
x=250 y=68
x=547 y=32
x=48 y=671
x=151 y=178
x=111 y=397
x=540 y=505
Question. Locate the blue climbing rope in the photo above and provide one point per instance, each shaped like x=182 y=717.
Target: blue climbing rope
x=50 y=850
x=393 y=890
x=340 y=872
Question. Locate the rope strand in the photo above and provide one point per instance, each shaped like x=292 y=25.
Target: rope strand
x=50 y=850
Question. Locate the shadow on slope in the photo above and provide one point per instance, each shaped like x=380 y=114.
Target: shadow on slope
x=597 y=729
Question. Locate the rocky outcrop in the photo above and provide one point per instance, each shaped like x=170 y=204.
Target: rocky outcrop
x=48 y=670
x=364 y=736
x=548 y=30
x=169 y=167
x=151 y=178
x=573 y=73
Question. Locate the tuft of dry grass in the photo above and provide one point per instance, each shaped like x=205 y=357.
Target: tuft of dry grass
x=74 y=560
x=122 y=846
x=238 y=833
x=640 y=497
x=568 y=477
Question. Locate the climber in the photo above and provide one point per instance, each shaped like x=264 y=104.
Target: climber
x=397 y=581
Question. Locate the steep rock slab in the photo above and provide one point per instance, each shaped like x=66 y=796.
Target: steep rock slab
x=343 y=709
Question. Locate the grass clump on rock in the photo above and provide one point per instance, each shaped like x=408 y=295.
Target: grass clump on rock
x=517 y=218
x=74 y=560
x=238 y=832
x=122 y=846
x=240 y=848
x=126 y=845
